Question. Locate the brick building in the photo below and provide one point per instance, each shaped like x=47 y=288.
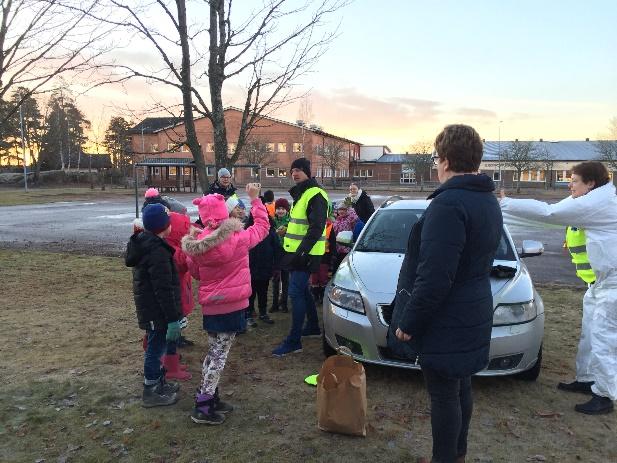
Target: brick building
x=158 y=143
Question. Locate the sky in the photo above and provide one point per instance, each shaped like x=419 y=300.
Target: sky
x=402 y=69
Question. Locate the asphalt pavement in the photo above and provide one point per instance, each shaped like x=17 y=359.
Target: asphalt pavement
x=103 y=227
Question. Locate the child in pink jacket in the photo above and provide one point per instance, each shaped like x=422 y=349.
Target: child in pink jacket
x=219 y=258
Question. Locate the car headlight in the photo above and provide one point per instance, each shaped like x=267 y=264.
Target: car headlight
x=350 y=300
x=512 y=314
x=344 y=291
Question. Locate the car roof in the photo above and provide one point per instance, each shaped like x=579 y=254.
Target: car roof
x=406 y=204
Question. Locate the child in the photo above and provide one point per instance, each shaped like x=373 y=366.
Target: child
x=261 y=261
x=236 y=208
x=218 y=257
x=345 y=221
x=281 y=277
x=320 y=279
x=268 y=200
x=156 y=289
x=180 y=226
x=152 y=196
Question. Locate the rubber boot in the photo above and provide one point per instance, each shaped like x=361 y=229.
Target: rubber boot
x=171 y=363
x=204 y=412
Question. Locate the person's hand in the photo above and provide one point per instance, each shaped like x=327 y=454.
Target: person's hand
x=402 y=336
x=173 y=331
x=280 y=231
x=253 y=189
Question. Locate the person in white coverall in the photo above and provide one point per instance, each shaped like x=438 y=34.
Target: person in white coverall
x=593 y=207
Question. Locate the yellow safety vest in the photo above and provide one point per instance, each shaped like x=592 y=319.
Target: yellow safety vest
x=577 y=246
x=299 y=225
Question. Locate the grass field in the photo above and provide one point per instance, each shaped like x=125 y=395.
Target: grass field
x=71 y=360
x=17 y=197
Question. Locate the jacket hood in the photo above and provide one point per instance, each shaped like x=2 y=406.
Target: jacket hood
x=140 y=244
x=297 y=190
x=180 y=226
x=207 y=240
x=470 y=182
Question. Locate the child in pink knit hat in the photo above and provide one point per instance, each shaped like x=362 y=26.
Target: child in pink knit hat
x=219 y=258
x=153 y=196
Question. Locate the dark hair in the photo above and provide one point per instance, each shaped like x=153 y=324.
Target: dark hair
x=269 y=196
x=592 y=171
x=461 y=146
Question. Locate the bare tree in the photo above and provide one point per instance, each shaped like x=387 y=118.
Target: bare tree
x=42 y=39
x=608 y=148
x=334 y=155
x=420 y=161
x=546 y=160
x=521 y=156
x=269 y=50
x=258 y=152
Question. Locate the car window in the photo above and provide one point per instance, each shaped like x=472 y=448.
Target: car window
x=389 y=231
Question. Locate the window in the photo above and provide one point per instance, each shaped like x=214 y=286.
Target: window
x=270 y=172
x=282 y=147
x=210 y=171
x=187 y=171
x=155 y=147
x=172 y=171
x=231 y=147
x=171 y=146
x=530 y=176
x=496 y=176
x=270 y=147
x=563 y=176
x=157 y=171
x=408 y=176
x=364 y=173
x=184 y=148
x=297 y=147
x=282 y=173
x=210 y=147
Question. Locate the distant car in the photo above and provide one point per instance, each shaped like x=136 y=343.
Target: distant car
x=175 y=205
x=360 y=296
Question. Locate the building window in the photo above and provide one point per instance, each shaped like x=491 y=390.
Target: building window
x=184 y=148
x=496 y=176
x=171 y=146
x=210 y=171
x=270 y=147
x=210 y=147
x=297 y=147
x=155 y=147
x=187 y=171
x=282 y=147
x=408 y=176
x=364 y=173
x=282 y=173
x=157 y=171
x=270 y=172
x=531 y=176
x=231 y=147
x=563 y=176
x=172 y=171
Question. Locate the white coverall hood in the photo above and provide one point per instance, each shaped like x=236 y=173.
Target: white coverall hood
x=596 y=213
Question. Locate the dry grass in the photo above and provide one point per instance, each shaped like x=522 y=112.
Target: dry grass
x=72 y=361
x=18 y=197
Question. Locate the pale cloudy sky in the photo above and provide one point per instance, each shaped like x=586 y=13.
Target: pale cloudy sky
x=402 y=69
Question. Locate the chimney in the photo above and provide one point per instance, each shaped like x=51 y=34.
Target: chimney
x=541 y=139
x=516 y=139
x=300 y=122
x=586 y=139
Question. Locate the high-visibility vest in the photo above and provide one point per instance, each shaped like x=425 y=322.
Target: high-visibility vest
x=577 y=247
x=270 y=209
x=299 y=225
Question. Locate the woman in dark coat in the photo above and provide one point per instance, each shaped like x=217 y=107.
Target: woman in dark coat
x=361 y=202
x=443 y=312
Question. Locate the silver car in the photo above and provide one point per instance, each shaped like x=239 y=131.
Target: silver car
x=360 y=296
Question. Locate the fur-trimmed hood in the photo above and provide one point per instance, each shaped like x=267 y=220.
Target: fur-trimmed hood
x=194 y=245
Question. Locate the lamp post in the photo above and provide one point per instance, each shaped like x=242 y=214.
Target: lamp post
x=23 y=147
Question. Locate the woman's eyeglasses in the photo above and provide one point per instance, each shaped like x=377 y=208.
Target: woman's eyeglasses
x=435 y=159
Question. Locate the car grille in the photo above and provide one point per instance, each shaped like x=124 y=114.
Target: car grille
x=505 y=363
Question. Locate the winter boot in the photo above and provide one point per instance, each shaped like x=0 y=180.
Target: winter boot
x=155 y=396
x=576 y=386
x=168 y=387
x=597 y=405
x=171 y=363
x=221 y=406
x=266 y=319
x=204 y=412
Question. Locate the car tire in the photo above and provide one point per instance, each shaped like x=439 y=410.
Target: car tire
x=533 y=373
x=327 y=349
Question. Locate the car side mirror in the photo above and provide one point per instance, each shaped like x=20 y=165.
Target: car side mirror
x=345 y=238
x=531 y=248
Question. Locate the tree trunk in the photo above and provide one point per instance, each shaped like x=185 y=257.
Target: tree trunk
x=187 y=101
x=518 y=182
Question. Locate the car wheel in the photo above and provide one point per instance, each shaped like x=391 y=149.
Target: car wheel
x=327 y=349
x=533 y=373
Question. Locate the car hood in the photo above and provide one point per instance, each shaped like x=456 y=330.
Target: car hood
x=378 y=272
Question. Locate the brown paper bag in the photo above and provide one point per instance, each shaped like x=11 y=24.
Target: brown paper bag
x=341 y=396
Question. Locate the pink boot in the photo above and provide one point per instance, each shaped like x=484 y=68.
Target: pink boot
x=171 y=363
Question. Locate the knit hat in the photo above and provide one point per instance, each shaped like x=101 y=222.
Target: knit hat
x=281 y=202
x=232 y=202
x=211 y=207
x=155 y=218
x=303 y=164
x=223 y=172
x=268 y=196
x=152 y=192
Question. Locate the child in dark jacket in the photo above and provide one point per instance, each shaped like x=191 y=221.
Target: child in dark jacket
x=262 y=259
x=156 y=289
x=280 y=278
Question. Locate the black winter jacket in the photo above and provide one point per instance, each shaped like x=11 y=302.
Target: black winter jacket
x=364 y=207
x=443 y=298
x=263 y=258
x=156 y=287
x=216 y=187
x=317 y=213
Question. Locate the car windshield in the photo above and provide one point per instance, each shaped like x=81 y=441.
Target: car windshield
x=389 y=231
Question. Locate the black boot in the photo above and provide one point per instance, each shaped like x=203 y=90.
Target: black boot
x=155 y=396
x=576 y=386
x=221 y=406
x=597 y=405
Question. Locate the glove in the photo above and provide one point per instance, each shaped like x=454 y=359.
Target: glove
x=173 y=331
